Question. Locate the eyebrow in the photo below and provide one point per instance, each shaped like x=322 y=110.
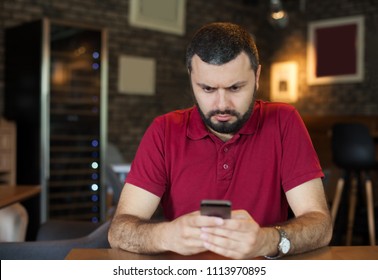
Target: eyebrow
x=239 y=84
x=204 y=85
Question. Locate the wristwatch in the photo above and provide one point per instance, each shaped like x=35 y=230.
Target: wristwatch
x=283 y=245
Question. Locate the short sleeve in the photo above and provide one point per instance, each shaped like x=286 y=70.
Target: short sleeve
x=300 y=162
x=148 y=168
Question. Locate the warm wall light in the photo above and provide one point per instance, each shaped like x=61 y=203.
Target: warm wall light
x=278 y=16
x=284 y=81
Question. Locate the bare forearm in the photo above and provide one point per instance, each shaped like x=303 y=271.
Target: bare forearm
x=132 y=234
x=310 y=231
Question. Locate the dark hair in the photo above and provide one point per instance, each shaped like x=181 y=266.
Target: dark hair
x=220 y=42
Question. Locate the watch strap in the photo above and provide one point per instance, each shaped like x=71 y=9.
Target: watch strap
x=280 y=254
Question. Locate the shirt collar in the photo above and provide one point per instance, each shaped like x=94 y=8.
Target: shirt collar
x=197 y=129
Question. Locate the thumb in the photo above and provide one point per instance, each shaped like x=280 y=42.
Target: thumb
x=241 y=215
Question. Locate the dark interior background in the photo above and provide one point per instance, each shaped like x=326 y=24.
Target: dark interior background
x=129 y=115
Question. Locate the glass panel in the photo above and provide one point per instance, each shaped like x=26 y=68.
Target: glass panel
x=74 y=185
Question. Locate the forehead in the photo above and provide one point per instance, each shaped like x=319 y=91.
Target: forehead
x=236 y=70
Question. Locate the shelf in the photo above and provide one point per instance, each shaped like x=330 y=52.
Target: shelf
x=73 y=103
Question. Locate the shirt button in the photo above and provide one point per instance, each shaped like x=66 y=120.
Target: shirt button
x=225 y=166
x=225 y=149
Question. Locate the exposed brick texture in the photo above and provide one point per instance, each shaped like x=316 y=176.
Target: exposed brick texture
x=129 y=116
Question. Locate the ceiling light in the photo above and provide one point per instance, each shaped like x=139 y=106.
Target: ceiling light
x=278 y=16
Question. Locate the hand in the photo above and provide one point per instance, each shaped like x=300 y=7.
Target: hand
x=183 y=235
x=239 y=238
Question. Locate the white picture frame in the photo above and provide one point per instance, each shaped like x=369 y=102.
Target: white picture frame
x=136 y=75
x=284 y=82
x=162 y=15
x=335 y=51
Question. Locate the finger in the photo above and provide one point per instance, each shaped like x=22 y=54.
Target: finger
x=210 y=234
x=195 y=243
x=189 y=247
x=218 y=240
x=203 y=220
x=240 y=214
x=206 y=221
x=232 y=248
x=219 y=250
x=224 y=238
x=217 y=231
x=238 y=225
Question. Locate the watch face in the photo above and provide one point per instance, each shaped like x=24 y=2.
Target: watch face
x=285 y=246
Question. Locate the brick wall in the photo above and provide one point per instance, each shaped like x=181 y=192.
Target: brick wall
x=129 y=115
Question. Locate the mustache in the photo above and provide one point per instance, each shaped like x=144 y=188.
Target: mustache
x=224 y=112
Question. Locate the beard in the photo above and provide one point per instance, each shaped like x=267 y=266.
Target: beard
x=227 y=127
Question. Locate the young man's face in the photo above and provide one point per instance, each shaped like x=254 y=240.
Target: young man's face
x=224 y=93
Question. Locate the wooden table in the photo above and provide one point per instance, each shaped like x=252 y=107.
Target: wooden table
x=326 y=253
x=13 y=194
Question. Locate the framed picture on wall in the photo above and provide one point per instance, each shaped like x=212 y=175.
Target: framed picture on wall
x=335 y=51
x=163 y=15
x=284 y=82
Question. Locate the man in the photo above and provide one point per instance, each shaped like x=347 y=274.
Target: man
x=228 y=146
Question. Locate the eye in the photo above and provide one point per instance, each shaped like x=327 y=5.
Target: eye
x=234 y=88
x=208 y=89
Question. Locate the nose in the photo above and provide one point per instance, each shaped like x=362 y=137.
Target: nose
x=222 y=100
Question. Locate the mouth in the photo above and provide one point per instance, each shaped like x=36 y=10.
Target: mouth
x=223 y=117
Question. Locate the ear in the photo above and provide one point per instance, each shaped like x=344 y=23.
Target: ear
x=258 y=76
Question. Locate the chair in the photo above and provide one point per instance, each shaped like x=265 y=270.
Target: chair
x=65 y=229
x=353 y=151
x=54 y=249
x=13 y=223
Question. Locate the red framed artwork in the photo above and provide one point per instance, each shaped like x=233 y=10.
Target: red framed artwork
x=335 y=51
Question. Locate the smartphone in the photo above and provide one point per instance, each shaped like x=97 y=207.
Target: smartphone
x=217 y=208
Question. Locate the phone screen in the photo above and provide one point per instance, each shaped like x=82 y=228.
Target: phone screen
x=217 y=208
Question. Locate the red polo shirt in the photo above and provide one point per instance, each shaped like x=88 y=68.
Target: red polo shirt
x=180 y=161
